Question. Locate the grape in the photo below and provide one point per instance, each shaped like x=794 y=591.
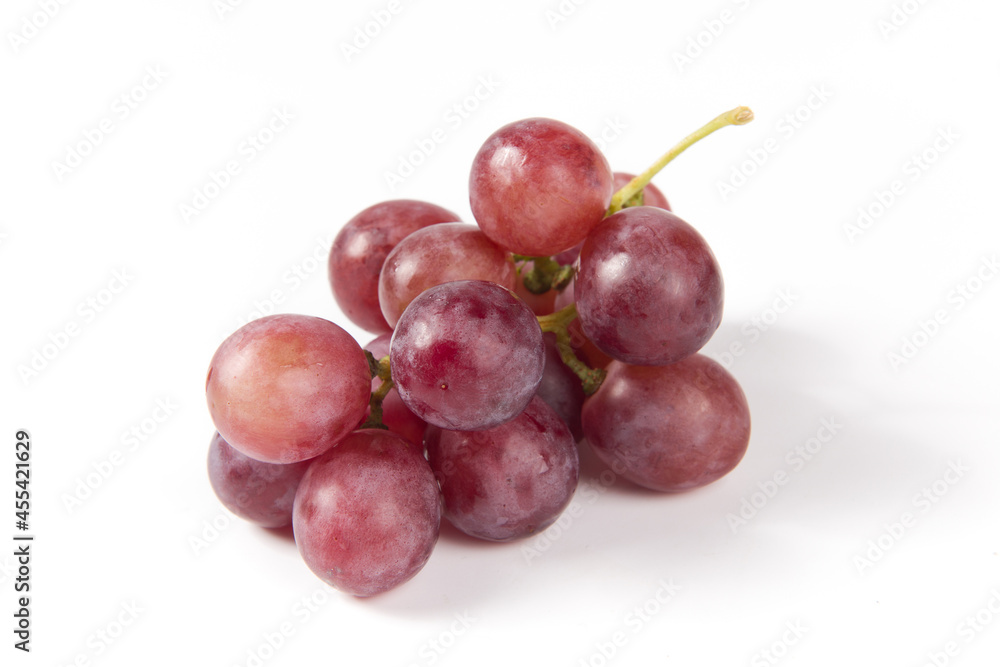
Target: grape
x=509 y=481
x=538 y=186
x=440 y=254
x=651 y=195
x=259 y=492
x=649 y=290
x=569 y=256
x=361 y=247
x=395 y=415
x=669 y=428
x=367 y=513
x=561 y=388
x=467 y=355
x=285 y=388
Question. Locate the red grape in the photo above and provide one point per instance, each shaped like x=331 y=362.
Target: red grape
x=259 y=492
x=561 y=388
x=395 y=415
x=440 y=254
x=509 y=481
x=367 y=513
x=649 y=290
x=361 y=247
x=669 y=428
x=285 y=388
x=651 y=195
x=538 y=186
x=467 y=355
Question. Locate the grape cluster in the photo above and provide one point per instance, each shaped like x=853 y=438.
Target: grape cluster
x=574 y=308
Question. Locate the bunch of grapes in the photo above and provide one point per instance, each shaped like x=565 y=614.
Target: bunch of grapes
x=574 y=308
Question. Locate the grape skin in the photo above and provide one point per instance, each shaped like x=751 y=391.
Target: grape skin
x=467 y=355
x=649 y=290
x=395 y=415
x=561 y=388
x=367 y=513
x=509 y=481
x=262 y=493
x=360 y=249
x=669 y=428
x=440 y=254
x=538 y=186
x=285 y=388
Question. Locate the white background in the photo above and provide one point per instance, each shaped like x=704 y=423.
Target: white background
x=827 y=554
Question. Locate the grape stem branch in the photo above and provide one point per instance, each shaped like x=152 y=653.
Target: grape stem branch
x=379 y=369
x=737 y=116
x=558 y=323
x=545 y=274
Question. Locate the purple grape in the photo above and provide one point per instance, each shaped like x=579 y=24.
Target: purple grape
x=361 y=247
x=538 y=186
x=649 y=290
x=395 y=415
x=561 y=388
x=440 y=254
x=285 y=388
x=367 y=513
x=669 y=428
x=509 y=481
x=262 y=493
x=467 y=355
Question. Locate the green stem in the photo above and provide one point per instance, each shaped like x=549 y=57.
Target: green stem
x=546 y=274
x=558 y=323
x=737 y=116
x=380 y=370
